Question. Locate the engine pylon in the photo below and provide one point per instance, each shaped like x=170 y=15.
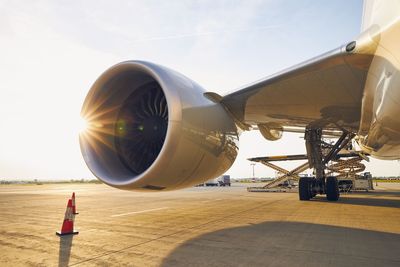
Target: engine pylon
x=67 y=227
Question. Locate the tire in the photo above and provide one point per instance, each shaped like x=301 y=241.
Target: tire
x=304 y=188
x=332 y=189
x=312 y=182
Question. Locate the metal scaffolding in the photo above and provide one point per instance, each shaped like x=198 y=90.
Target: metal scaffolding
x=287 y=175
x=349 y=167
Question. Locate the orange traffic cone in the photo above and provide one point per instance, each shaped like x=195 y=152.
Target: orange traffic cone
x=74 y=204
x=68 y=224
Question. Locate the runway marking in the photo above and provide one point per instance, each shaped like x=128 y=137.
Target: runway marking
x=137 y=212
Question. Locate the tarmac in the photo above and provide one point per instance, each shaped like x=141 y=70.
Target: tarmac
x=202 y=226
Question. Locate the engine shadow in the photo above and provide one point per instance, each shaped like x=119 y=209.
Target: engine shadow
x=65 y=250
x=280 y=243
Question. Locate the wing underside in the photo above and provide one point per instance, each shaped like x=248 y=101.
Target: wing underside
x=324 y=92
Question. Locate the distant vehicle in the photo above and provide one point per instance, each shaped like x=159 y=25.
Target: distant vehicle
x=287 y=183
x=212 y=182
x=362 y=182
x=224 y=180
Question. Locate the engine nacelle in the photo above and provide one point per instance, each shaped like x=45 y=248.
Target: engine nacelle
x=151 y=128
x=271 y=131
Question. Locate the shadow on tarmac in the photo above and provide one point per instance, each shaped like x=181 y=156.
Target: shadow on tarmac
x=373 y=202
x=392 y=193
x=282 y=243
x=377 y=193
x=65 y=250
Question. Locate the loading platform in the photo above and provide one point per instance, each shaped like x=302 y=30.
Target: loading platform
x=287 y=175
x=348 y=167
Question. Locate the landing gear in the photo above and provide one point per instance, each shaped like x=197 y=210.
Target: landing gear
x=304 y=188
x=319 y=155
x=313 y=182
x=307 y=188
x=332 y=189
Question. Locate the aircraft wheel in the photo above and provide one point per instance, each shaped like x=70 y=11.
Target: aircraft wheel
x=304 y=188
x=332 y=189
x=312 y=185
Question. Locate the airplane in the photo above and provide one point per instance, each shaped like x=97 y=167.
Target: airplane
x=151 y=128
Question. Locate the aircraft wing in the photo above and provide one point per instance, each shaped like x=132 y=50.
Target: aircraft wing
x=324 y=91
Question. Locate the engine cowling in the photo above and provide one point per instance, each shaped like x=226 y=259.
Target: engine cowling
x=271 y=131
x=150 y=127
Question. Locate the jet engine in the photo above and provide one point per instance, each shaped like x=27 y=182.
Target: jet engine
x=150 y=127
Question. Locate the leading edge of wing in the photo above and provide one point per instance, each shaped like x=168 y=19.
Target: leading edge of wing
x=325 y=91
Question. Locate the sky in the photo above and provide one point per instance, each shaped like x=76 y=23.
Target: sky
x=51 y=52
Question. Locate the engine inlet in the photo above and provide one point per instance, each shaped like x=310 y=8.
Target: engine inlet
x=141 y=127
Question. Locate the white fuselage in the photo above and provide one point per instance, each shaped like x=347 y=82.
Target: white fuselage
x=379 y=132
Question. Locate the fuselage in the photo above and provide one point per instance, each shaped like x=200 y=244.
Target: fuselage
x=379 y=132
